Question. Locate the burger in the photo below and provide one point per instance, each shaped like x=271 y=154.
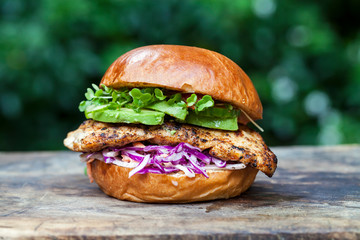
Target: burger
x=167 y=123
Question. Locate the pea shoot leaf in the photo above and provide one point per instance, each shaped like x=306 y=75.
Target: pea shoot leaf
x=159 y=94
x=204 y=103
x=191 y=100
x=174 y=98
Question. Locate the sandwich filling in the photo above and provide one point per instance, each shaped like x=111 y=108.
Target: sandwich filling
x=123 y=120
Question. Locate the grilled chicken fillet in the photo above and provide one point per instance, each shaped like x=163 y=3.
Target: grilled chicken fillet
x=244 y=145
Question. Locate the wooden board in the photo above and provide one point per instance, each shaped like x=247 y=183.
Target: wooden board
x=315 y=193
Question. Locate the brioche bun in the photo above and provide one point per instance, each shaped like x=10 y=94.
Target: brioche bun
x=186 y=69
x=170 y=188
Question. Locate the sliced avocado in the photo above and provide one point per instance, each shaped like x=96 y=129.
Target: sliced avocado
x=212 y=122
x=219 y=112
x=126 y=115
x=173 y=110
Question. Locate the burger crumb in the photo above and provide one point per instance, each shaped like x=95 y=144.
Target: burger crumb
x=175 y=183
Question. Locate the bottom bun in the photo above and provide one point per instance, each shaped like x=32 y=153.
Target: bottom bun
x=170 y=188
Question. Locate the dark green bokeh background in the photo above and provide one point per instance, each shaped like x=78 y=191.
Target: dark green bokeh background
x=303 y=57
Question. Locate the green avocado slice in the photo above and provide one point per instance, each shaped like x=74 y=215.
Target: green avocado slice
x=219 y=113
x=173 y=110
x=126 y=115
x=212 y=122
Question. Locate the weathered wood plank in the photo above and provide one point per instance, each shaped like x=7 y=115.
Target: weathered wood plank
x=315 y=193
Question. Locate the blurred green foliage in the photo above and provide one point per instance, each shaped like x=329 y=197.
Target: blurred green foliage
x=303 y=57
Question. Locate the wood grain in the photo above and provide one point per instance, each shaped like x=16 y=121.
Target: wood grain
x=315 y=193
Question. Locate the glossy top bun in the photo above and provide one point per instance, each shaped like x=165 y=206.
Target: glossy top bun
x=185 y=69
x=170 y=188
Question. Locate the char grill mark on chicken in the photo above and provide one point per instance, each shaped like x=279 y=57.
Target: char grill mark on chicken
x=244 y=145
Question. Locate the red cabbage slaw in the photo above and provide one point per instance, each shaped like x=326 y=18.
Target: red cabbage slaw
x=163 y=159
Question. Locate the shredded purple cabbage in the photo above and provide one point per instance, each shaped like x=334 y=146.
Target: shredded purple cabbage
x=163 y=159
